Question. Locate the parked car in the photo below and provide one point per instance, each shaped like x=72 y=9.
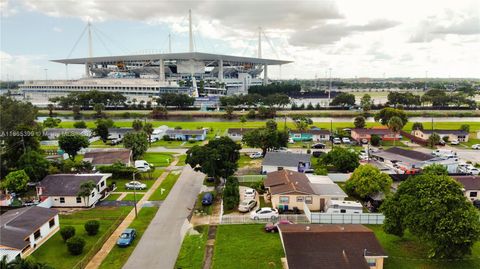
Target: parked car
x=455 y=142
x=476 y=203
x=115 y=141
x=337 y=140
x=281 y=149
x=264 y=213
x=317 y=153
x=273 y=227
x=249 y=194
x=256 y=155
x=127 y=237
x=143 y=166
x=476 y=146
x=207 y=199
x=345 y=140
x=247 y=205
x=473 y=171
x=210 y=179
x=319 y=146
x=135 y=185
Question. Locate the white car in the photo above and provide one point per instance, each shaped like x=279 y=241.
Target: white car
x=476 y=146
x=264 y=213
x=345 y=140
x=337 y=140
x=256 y=155
x=455 y=142
x=247 y=205
x=143 y=166
x=135 y=185
x=473 y=170
x=249 y=194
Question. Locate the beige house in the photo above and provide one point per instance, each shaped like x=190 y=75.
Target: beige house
x=99 y=157
x=471 y=186
x=289 y=189
x=459 y=135
x=330 y=246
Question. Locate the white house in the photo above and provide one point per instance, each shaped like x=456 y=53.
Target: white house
x=471 y=186
x=62 y=189
x=236 y=134
x=54 y=133
x=23 y=230
x=275 y=161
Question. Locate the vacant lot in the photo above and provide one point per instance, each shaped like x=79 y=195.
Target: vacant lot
x=193 y=249
x=163 y=190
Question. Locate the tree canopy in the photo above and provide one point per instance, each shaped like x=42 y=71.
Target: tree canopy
x=178 y=100
x=34 y=164
x=137 y=142
x=15 y=181
x=433 y=208
x=71 y=143
x=266 y=138
x=366 y=102
x=367 y=180
x=359 y=122
x=89 y=99
x=344 y=160
x=387 y=113
x=343 y=99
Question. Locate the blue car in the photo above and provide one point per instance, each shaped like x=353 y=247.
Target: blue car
x=207 y=199
x=127 y=237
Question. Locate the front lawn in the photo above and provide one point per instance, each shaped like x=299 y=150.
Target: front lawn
x=158 y=159
x=246 y=246
x=121 y=185
x=193 y=249
x=411 y=253
x=129 y=197
x=166 y=185
x=54 y=252
x=119 y=256
x=199 y=208
x=175 y=144
x=100 y=144
x=245 y=161
x=181 y=160
x=112 y=197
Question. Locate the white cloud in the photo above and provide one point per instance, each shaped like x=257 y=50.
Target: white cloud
x=57 y=29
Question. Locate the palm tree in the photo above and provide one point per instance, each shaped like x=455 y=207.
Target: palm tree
x=243 y=119
x=85 y=190
x=98 y=108
x=3 y=262
x=395 y=124
x=50 y=110
x=148 y=129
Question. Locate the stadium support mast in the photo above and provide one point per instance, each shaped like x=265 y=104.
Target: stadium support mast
x=190 y=31
x=259 y=42
x=90 y=48
x=169 y=43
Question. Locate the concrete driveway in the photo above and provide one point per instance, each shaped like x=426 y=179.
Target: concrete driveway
x=163 y=238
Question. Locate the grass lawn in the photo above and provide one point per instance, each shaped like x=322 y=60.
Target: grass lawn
x=175 y=144
x=263 y=203
x=166 y=185
x=247 y=161
x=248 y=245
x=471 y=140
x=193 y=249
x=129 y=197
x=100 y=144
x=54 y=252
x=119 y=256
x=410 y=253
x=201 y=208
x=390 y=144
x=158 y=159
x=121 y=185
x=181 y=160
x=113 y=197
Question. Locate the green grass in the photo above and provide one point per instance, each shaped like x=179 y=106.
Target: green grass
x=410 y=252
x=181 y=160
x=193 y=249
x=113 y=197
x=121 y=184
x=167 y=185
x=201 y=208
x=246 y=246
x=175 y=144
x=54 y=252
x=119 y=256
x=129 y=197
x=158 y=159
x=263 y=203
x=471 y=140
x=247 y=161
x=387 y=143
x=100 y=144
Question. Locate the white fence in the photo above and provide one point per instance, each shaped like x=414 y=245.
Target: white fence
x=245 y=219
x=250 y=178
x=339 y=218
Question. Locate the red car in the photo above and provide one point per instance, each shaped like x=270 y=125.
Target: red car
x=273 y=227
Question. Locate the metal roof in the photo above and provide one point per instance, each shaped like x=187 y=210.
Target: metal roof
x=199 y=56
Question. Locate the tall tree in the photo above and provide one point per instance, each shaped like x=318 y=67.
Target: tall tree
x=137 y=125
x=417 y=126
x=387 y=113
x=366 y=102
x=395 y=124
x=99 y=107
x=367 y=180
x=71 y=143
x=137 y=142
x=344 y=160
x=50 y=108
x=102 y=128
x=359 y=122
x=243 y=120
x=433 y=140
x=266 y=138
x=34 y=164
x=433 y=208
x=15 y=181
x=148 y=129
x=51 y=122
x=343 y=99
x=302 y=122
x=85 y=190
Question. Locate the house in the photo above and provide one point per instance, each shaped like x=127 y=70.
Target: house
x=158 y=133
x=236 y=134
x=185 y=135
x=275 y=161
x=358 y=134
x=62 y=189
x=346 y=246
x=25 y=229
x=5 y=198
x=54 y=133
x=459 y=135
x=289 y=189
x=316 y=135
x=118 y=133
x=471 y=186
x=108 y=156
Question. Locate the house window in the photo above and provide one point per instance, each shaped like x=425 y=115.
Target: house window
x=279 y=168
x=297 y=135
x=343 y=211
x=93 y=194
x=102 y=183
x=308 y=200
x=284 y=199
x=473 y=194
x=79 y=200
x=37 y=234
x=299 y=199
x=371 y=262
x=62 y=200
x=51 y=223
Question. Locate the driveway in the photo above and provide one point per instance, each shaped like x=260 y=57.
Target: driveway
x=163 y=238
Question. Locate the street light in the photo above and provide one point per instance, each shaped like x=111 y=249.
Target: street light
x=135 y=193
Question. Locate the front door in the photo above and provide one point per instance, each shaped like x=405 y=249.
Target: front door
x=322 y=204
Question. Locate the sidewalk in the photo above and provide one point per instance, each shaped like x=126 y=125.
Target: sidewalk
x=96 y=261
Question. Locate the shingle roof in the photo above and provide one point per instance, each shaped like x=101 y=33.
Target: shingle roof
x=371 y=131
x=59 y=131
x=66 y=184
x=329 y=246
x=108 y=156
x=438 y=131
x=286 y=181
x=328 y=190
x=469 y=182
x=185 y=132
x=285 y=158
x=311 y=131
x=239 y=130
x=122 y=130
x=17 y=224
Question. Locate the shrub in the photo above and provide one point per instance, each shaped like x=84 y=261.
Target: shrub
x=75 y=245
x=231 y=194
x=67 y=232
x=309 y=151
x=118 y=170
x=166 y=138
x=322 y=171
x=375 y=140
x=80 y=124
x=92 y=227
x=258 y=186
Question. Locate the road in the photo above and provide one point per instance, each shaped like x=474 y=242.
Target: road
x=163 y=238
x=465 y=154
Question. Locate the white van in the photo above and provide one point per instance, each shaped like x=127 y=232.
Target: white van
x=444 y=153
x=345 y=207
x=142 y=165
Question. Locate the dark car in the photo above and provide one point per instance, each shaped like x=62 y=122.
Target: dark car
x=207 y=199
x=476 y=203
x=127 y=237
x=319 y=146
x=317 y=153
x=273 y=227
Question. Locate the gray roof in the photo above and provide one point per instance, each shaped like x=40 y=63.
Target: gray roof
x=328 y=190
x=285 y=158
x=122 y=130
x=50 y=131
x=17 y=224
x=185 y=132
x=454 y=132
x=338 y=177
x=199 y=56
x=66 y=184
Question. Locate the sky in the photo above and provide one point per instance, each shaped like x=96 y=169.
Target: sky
x=349 y=38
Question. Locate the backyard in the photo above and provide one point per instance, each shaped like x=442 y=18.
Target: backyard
x=158 y=159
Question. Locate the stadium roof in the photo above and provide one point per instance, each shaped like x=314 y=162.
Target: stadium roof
x=199 y=56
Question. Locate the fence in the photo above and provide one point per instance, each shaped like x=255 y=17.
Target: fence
x=414 y=139
x=250 y=178
x=339 y=218
x=245 y=219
